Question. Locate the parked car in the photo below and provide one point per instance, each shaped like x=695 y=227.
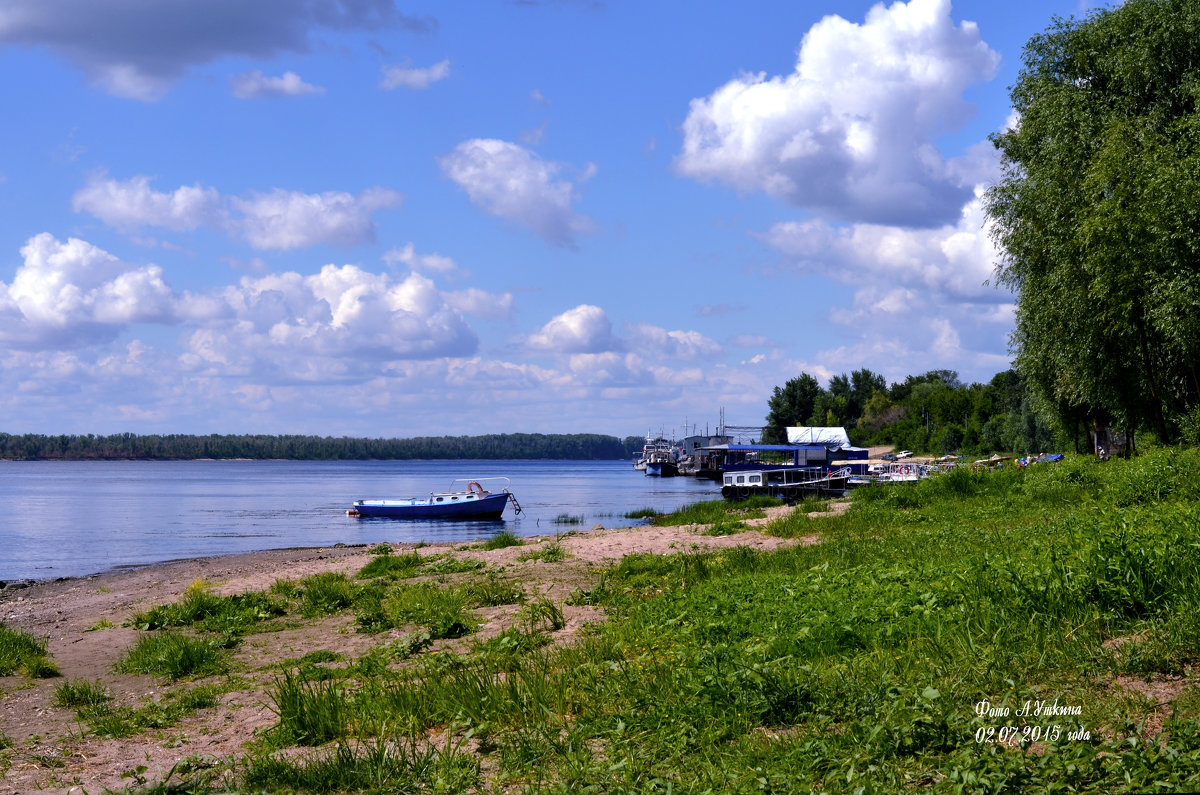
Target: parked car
x=904 y=454
x=889 y=456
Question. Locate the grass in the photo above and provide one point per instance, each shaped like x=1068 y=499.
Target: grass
x=551 y=552
x=717 y=512
x=93 y=706
x=172 y=655
x=856 y=664
x=20 y=651
x=399 y=766
x=566 y=518
x=504 y=538
x=77 y=693
x=231 y=616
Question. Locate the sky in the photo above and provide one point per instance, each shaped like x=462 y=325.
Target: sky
x=391 y=219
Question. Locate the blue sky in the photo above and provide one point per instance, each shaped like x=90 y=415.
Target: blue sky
x=375 y=218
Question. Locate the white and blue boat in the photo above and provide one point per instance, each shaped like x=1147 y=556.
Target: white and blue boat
x=472 y=502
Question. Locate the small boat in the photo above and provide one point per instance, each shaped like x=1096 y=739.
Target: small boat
x=473 y=502
x=662 y=463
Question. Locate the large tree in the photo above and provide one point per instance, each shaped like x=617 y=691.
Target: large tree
x=1097 y=214
x=791 y=404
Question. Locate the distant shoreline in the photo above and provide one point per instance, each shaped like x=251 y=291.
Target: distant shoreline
x=261 y=447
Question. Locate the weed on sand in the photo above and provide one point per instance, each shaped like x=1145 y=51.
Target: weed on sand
x=20 y=651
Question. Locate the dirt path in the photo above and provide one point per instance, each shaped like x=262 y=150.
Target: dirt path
x=83 y=622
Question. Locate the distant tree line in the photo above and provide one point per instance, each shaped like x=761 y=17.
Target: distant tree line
x=930 y=413
x=581 y=446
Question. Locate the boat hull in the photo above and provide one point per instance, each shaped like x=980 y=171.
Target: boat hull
x=662 y=469
x=490 y=506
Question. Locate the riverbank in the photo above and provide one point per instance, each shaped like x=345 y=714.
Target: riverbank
x=1030 y=629
x=85 y=622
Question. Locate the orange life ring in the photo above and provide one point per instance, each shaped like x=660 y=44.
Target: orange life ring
x=474 y=487
x=904 y=470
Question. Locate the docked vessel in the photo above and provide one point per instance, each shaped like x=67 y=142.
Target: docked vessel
x=472 y=502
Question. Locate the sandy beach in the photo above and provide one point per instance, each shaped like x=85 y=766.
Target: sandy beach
x=84 y=623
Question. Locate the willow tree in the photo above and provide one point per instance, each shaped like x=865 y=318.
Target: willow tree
x=1097 y=214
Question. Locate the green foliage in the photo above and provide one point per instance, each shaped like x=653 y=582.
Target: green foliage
x=229 y=615
x=379 y=766
x=172 y=655
x=577 y=446
x=310 y=713
x=540 y=615
x=791 y=404
x=717 y=512
x=936 y=413
x=329 y=592
x=505 y=538
x=21 y=651
x=393 y=566
x=443 y=611
x=551 y=552
x=93 y=706
x=77 y=693
x=493 y=591
x=1096 y=214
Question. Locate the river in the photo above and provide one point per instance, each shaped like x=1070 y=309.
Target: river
x=69 y=519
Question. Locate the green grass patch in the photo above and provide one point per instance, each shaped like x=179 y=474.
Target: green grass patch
x=20 y=651
x=493 y=592
x=393 y=566
x=374 y=766
x=172 y=655
x=717 y=511
x=856 y=664
x=550 y=552
x=444 y=612
x=328 y=592
x=94 y=707
x=504 y=538
x=566 y=518
x=643 y=513
x=77 y=693
x=231 y=616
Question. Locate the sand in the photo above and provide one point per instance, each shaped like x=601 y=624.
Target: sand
x=83 y=621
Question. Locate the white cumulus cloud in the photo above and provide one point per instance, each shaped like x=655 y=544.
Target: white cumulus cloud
x=649 y=340
x=74 y=293
x=953 y=261
x=414 y=77
x=288 y=219
x=584 y=329
x=850 y=132
x=279 y=219
x=253 y=84
x=132 y=204
x=407 y=255
x=512 y=182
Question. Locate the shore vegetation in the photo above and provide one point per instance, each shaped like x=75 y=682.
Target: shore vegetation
x=1028 y=629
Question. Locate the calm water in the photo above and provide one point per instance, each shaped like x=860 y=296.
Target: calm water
x=66 y=519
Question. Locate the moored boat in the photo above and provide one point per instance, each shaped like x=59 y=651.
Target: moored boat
x=473 y=502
